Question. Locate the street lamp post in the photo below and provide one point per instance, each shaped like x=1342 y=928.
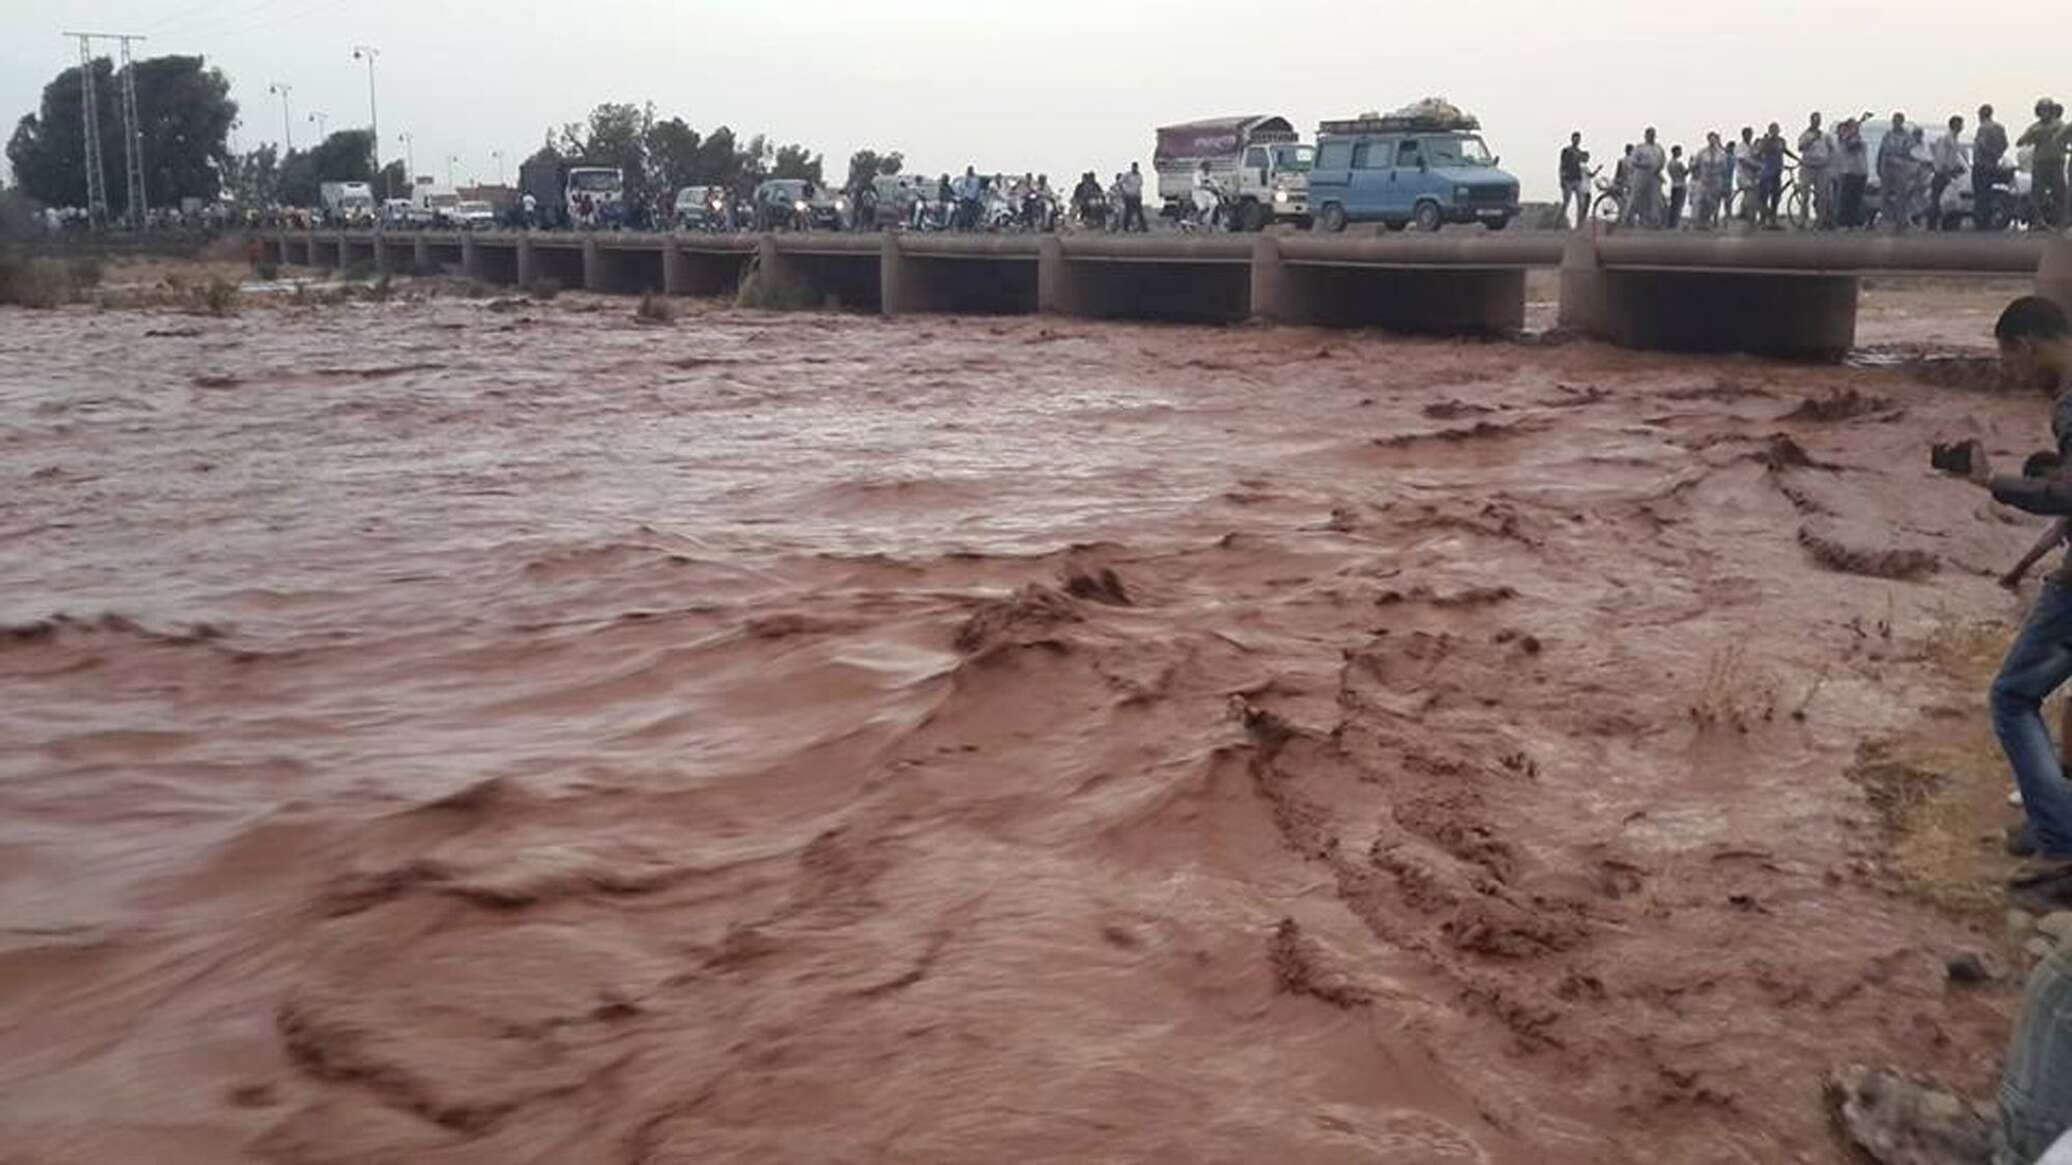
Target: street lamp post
x=499 y=156
x=409 y=156
x=320 y=120
x=367 y=53
x=287 y=134
x=450 y=160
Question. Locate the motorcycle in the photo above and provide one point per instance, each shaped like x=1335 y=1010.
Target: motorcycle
x=1210 y=210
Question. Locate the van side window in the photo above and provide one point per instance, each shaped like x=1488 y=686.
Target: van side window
x=1406 y=154
x=1335 y=156
x=1371 y=156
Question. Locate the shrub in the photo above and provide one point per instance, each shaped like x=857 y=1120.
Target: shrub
x=83 y=271
x=267 y=270
x=32 y=282
x=760 y=291
x=654 y=309
x=218 y=297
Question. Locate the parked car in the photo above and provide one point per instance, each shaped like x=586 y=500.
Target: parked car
x=1403 y=169
x=798 y=204
x=403 y=214
x=469 y=215
x=700 y=207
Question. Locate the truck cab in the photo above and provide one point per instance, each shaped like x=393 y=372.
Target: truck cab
x=1400 y=170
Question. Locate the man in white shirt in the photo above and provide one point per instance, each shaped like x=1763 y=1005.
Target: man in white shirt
x=1133 y=199
x=1712 y=168
x=1644 y=204
x=1816 y=155
x=1950 y=165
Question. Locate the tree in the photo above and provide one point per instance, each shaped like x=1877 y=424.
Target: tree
x=615 y=135
x=796 y=162
x=184 y=111
x=253 y=178
x=673 y=154
x=395 y=180
x=865 y=165
x=342 y=157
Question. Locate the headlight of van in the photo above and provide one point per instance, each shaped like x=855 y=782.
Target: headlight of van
x=841 y=204
x=798 y=206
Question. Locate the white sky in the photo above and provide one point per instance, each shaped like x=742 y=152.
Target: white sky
x=1062 y=86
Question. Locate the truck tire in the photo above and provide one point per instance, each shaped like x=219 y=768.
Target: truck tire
x=1331 y=219
x=1496 y=224
x=1428 y=216
x=1255 y=217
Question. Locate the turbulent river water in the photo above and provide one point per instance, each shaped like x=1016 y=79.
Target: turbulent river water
x=454 y=731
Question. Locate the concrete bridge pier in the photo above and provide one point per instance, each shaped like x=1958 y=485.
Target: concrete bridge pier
x=527 y=264
x=351 y=251
x=894 y=279
x=309 y=249
x=674 y=277
x=593 y=266
x=2054 y=272
x=421 y=256
x=1582 y=285
x=471 y=258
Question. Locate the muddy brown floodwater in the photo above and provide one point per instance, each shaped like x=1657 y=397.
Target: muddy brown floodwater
x=453 y=732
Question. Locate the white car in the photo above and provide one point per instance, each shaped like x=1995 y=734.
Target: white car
x=468 y=215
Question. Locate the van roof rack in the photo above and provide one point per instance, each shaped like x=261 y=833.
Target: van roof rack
x=1399 y=123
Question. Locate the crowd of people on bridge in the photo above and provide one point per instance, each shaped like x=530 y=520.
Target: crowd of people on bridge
x=1866 y=172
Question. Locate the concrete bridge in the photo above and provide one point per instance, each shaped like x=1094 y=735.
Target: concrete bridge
x=1780 y=294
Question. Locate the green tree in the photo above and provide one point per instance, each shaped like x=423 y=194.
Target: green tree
x=185 y=114
x=796 y=162
x=865 y=165
x=673 y=154
x=253 y=178
x=615 y=135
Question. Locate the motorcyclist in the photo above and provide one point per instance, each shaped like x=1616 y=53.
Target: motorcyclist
x=1206 y=198
x=1087 y=200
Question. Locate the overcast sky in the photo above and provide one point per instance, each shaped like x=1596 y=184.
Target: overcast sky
x=1061 y=86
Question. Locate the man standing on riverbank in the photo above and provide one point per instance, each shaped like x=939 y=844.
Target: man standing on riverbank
x=2035 y=341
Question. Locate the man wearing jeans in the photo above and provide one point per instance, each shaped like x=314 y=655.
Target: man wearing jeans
x=2036 y=348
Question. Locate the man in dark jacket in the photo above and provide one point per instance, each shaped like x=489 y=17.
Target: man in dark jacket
x=2035 y=340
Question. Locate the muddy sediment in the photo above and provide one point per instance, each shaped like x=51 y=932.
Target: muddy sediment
x=773 y=737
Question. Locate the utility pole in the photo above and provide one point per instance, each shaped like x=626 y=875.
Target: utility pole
x=287 y=132
x=132 y=129
x=450 y=160
x=499 y=156
x=96 y=182
x=133 y=137
x=367 y=53
x=319 y=120
x=409 y=156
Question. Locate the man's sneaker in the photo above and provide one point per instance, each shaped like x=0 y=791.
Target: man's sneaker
x=2019 y=841
x=2042 y=884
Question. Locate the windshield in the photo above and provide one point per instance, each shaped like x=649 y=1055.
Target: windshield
x=594 y=180
x=474 y=206
x=1294 y=157
x=1463 y=150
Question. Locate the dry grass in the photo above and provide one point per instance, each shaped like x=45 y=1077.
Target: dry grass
x=1940 y=791
x=44 y=282
x=1734 y=693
